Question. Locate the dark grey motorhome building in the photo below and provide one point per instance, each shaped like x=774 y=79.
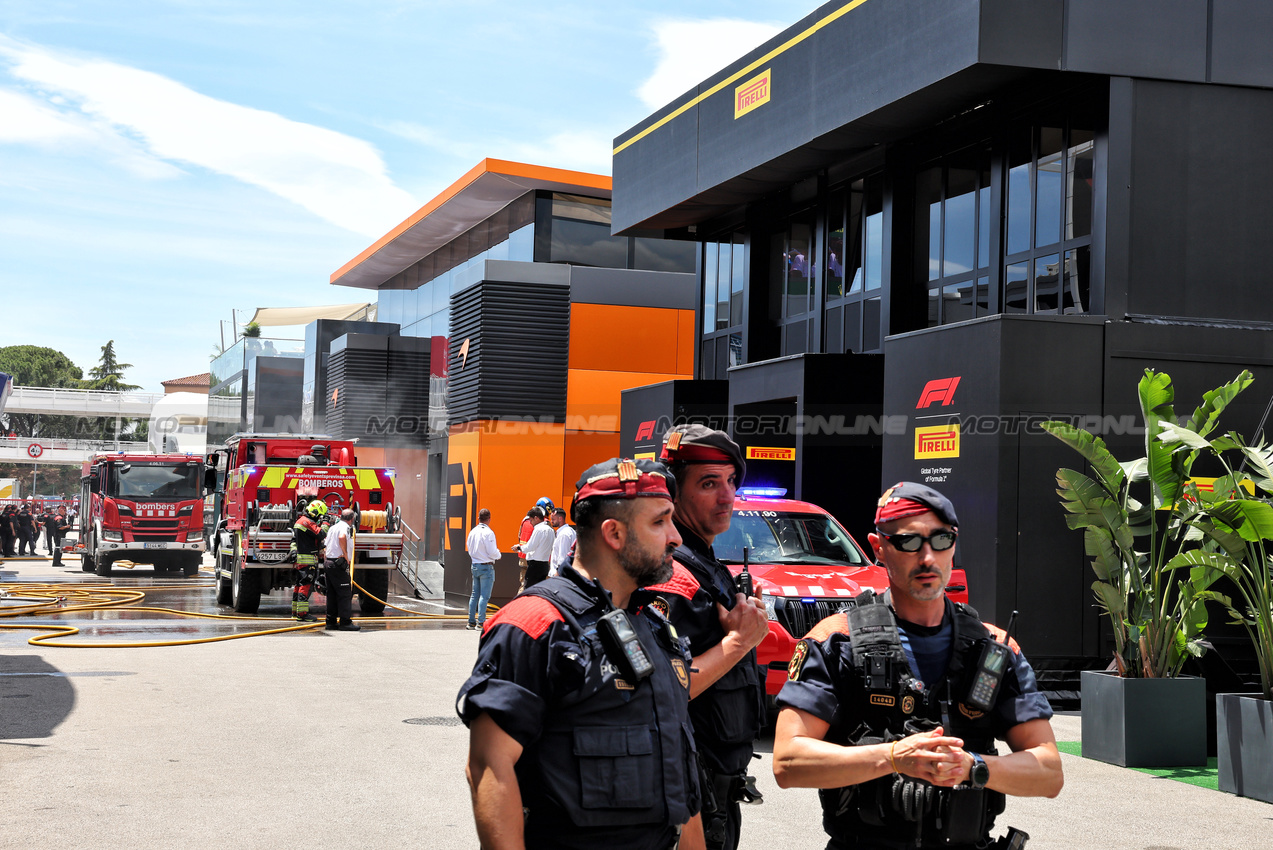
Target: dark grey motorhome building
x=925 y=224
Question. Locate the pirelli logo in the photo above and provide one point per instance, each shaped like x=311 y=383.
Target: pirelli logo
x=752 y=94
x=937 y=441
x=772 y=453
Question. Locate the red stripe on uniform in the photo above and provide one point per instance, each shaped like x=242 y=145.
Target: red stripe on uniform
x=682 y=583
x=531 y=614
x=999 y=634
x=836 y=624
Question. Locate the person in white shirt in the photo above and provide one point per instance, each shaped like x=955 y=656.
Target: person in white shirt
x=340 y=592
x=538 y=549
x=483 y=553
x=564 y=545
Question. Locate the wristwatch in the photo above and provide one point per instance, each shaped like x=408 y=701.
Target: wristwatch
x=979 y=773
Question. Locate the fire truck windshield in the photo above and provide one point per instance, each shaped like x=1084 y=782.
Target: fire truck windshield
x=783 y=537
x=135 y=480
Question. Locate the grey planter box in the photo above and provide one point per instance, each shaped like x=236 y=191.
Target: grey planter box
x=1244 y=745
x=1144 y=722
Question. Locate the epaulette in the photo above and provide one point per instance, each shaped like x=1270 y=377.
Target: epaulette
x=836 y=624
x=682 y=582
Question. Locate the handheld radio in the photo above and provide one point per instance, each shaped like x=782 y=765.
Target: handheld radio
x=990 y=671
x=743 y=582
x=623 y=646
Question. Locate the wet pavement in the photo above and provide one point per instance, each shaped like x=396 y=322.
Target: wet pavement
x=129 y=623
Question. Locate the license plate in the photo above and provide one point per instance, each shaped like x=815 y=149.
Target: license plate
x=270 y=556
x=154 y=545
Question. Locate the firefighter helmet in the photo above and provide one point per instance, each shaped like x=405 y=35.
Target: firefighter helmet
x=545 y=504
x=316 y=509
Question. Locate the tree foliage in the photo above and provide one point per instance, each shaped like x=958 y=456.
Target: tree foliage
x=108 y=374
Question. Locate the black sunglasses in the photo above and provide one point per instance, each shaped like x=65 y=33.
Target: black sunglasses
x=939 y=540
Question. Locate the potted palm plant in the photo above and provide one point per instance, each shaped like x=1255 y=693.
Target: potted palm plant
x=1141 y=522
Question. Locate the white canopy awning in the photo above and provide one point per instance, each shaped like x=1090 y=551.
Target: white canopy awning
x=276 y=316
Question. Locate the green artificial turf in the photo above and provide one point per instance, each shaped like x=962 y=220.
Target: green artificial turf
x=1203 y=777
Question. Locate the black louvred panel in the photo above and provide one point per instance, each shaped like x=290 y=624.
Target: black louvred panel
x=518 y=351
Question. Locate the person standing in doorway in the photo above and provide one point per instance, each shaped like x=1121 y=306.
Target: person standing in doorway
x=484 y=554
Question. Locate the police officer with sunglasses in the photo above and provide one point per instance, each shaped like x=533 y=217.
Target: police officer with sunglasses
x=892 y=708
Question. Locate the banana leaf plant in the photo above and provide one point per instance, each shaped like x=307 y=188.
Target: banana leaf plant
x=1145 y=526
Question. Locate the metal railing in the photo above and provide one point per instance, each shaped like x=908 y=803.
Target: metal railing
x=412 y=557
x=57 y=400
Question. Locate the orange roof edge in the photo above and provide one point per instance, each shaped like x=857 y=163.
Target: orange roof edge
x=488 y=165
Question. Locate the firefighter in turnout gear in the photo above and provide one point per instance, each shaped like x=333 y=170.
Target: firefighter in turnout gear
x=892 y=708
x=307 y=548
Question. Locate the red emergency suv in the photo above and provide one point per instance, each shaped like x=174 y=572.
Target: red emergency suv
x=805 y=567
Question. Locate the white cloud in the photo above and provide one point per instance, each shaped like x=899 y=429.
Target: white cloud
x=338 y=178
x=691 y=51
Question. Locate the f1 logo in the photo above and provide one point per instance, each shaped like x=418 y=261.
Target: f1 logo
x=645 y=431
x=942 y=389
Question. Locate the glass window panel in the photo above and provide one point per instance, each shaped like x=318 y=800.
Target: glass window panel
x=1047 y=214
x=584 y=243
x=1014 y=296
x=596 y=210
x=871 y=324
x=960 y=232
x=710 y=252
x=853 y=232
x=835 y=246
x=722 y=357
x=735 y=349
x=928 y=200
x=795 y=339
x=498 y=251
x=1079 y=163
x=983 y=296
x=722 y=286
x=1047 y=283
x=663 y=255
x=853 y=327
x=738 y=280
x=835 y=330
x=874 y=237
x=983 y=222
x=1019 y=196
x=521 y=244
x=707 y=360
x=1074 y=291
x=958 y=302
x=934 y=305
x=797 y=263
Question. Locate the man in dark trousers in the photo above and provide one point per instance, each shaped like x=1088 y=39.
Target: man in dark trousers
x=340 y=590
x=58 y=525
x=8 y=530
x=26 y=532
x=727 y=692
x=307 y=548
x=576 y=707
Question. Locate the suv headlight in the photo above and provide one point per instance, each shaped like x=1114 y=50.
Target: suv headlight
x=771 y=606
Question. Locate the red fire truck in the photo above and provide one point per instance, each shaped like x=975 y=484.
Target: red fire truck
x=265 y=475
x=143 y=508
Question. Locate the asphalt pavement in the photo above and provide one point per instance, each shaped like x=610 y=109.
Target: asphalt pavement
x=343 y=740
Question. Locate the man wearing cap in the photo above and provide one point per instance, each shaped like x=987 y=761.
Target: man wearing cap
x=892 y=709
x=577 y=707
x=723 y=626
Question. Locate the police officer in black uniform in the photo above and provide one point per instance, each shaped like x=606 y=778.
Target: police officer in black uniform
x=892 y=708
x=723 y=626
x=578 y=703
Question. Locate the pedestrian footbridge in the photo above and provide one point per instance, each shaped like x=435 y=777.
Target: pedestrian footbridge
x=64 y=402
x=67 y=452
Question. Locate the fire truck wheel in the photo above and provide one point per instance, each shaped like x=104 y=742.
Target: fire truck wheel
x=246 y=591
x=103 y=566
x=373 y=583
x=86 y=563
x=225 y=594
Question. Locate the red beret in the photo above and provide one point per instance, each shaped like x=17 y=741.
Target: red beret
x=623 y=478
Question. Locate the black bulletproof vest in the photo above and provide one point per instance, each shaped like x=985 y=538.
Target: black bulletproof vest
x=612 y=754
x=729 y=715
x=886 y=702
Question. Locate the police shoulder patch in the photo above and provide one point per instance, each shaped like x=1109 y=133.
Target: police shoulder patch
x=682 y=674
x=660 y=605
x=797 y=660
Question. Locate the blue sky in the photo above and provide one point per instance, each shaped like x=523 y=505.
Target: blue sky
x=163 y=162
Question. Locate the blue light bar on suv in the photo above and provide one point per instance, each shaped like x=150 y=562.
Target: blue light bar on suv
x=766 y=492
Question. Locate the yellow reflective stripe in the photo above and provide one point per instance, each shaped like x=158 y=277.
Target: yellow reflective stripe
x=367 y=479
x=273 y=477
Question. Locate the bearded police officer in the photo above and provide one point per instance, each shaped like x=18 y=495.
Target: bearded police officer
x=723 y=626
x=579 y=732
x=893 y=707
